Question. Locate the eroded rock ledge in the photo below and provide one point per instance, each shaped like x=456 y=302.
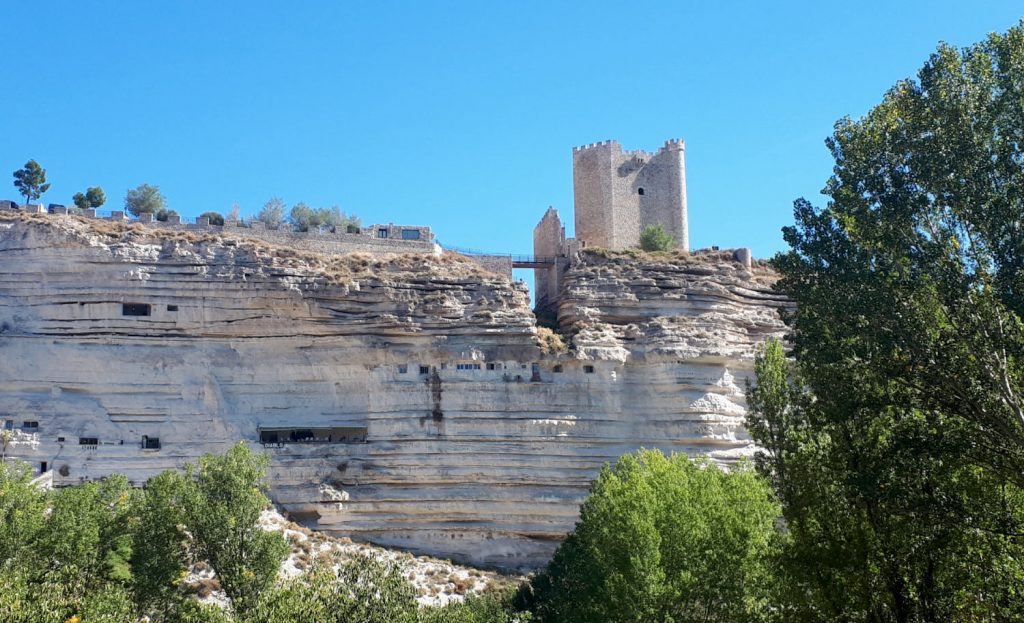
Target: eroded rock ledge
x=405 y=400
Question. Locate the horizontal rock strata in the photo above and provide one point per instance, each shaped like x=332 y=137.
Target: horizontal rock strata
x=404 y=400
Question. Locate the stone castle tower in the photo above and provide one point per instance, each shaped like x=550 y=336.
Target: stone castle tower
x=619 y=193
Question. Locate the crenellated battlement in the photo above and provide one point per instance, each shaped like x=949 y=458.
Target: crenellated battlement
x=608 y=143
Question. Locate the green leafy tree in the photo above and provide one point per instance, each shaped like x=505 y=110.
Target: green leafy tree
x=22 y=507
x=665 y=539
x=655 y=238
x=216 y=218
x=93 y=197
x=222 y=503
x=160 y=546
x=302 y=217
x=30 y=180
x=898 y=447
x=89 y=529
x=272 y=213
x=145 y=198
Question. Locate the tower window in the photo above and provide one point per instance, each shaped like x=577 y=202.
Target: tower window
x=640 y=191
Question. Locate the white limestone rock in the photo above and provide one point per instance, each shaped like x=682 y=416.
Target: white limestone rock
x=450 y=433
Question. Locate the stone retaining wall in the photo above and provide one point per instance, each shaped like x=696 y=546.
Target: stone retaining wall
x=327 y=242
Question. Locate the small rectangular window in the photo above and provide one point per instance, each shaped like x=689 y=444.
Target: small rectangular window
x=60 y=440
x=588 y=369
x=135 y=309
x=490 y=366
x=172 y=308
x=382 y=233
x=402 y=368
x=410 y=234
x=150 y=443
x=30 y=424
x=88 y=441
x=424 y=369
x=557 y=369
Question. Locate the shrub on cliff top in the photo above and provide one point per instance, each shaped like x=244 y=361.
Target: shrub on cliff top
x=655 y=238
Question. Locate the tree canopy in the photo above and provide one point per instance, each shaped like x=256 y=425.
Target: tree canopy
x=93 y=197
x=304 y=218
x=103 y=551
x=30 y=180
x=145 y=198
x=895 y=437
x=665 y=539
x=272 y=213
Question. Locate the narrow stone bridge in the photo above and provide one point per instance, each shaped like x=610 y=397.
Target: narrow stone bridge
x=518 y=261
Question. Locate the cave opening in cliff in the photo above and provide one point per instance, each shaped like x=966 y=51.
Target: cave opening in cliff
x=135 y=309
x=334 y=434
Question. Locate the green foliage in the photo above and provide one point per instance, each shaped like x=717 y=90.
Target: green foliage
x=272 y=213
x=372 y=591
x=665 y=539
x=145 y=198
x=655 y=238
x=30 y=180
x=93 y=197
x=21 y=510
x=488 y=608
x=222 y=502
x=304 y=218
x=216 y=218
x=897 y=447
x=160 y=543
x=88 y=529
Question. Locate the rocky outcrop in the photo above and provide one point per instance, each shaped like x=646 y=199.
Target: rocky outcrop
x=404 y=400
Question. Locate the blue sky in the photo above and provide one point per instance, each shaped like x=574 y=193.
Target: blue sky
x=457 y=115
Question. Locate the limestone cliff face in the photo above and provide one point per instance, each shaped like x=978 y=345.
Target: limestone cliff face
x=404 y=399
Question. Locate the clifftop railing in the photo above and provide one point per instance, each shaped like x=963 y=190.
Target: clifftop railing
x=517 y=261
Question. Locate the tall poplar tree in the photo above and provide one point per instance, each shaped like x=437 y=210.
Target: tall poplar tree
x=898 y=445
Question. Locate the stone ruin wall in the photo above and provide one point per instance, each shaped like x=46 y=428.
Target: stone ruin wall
x=549 y=242
x=451 y=432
